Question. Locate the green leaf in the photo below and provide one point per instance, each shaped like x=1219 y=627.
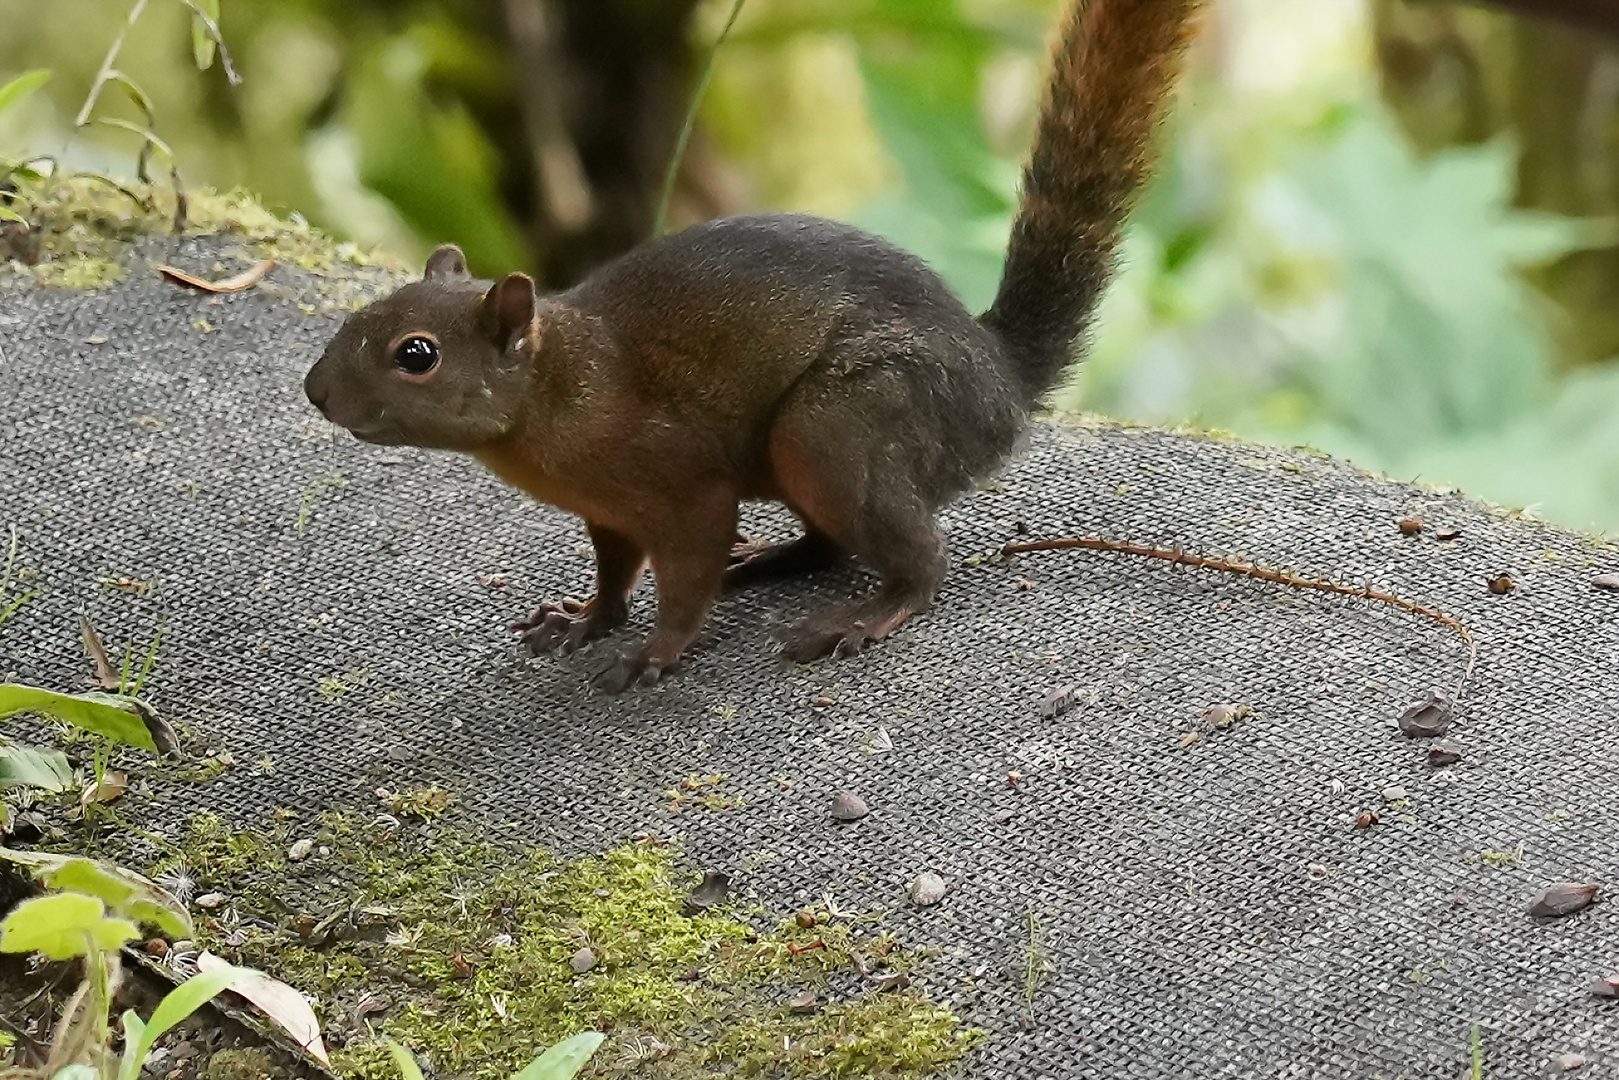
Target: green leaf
x=120 y=719
x=144 y=132
x=134 y=93
x=63 y=926
x=407 y=1064
x=20 y=87
x=8 y=214
x=203 y=42
x=125 y=892
x=176 y=1005
x=564 y=1060
x=27 y=766
x=397 y=123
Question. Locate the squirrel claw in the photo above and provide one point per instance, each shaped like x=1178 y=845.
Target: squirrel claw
x=565 y=628
x=630 y=669
x=537 y=617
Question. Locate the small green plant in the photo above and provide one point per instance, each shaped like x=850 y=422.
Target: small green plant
x=562 y=1062
x=8 y=572
x=207 y=45
x=92 y=910
x=114 y=719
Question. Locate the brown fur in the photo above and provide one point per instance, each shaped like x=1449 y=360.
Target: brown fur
x=780 y=357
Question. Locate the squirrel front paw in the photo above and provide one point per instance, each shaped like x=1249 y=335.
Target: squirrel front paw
x=567 y=626
x=638 y=668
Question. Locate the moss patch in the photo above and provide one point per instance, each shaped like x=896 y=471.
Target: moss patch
x=79 y=229
x=469 y=955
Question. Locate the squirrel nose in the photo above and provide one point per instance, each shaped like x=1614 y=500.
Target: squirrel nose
x=315 y=388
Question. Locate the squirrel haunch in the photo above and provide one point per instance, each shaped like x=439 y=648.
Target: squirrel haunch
x=775 y=356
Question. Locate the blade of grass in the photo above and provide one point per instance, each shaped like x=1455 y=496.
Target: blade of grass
x=691 y=121
x=107 y=70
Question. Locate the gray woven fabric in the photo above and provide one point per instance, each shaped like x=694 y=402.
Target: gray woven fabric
x=149 y=430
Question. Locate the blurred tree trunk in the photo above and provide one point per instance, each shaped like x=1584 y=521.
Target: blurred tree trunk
x=533 y=132
x=1455 y=73
x=602 y=87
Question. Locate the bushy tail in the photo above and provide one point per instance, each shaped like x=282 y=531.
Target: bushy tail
x=1113 y=66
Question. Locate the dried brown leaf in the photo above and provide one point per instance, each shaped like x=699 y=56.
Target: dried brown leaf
x=235 y=283
x=107 y=676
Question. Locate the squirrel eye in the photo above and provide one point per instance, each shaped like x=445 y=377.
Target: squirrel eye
x=416 y=355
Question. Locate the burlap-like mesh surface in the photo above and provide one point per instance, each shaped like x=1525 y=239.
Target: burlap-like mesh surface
x=1205 y=910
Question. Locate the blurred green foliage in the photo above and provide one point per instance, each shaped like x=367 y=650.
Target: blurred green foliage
x=1294 y=272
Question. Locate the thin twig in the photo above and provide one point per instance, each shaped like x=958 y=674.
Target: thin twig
x=691 y=122
x=106 y=71
x=1180 y=557
x=212 y=27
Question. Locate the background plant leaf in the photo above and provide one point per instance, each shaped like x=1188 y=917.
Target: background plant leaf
x=176 y=1005
x=564 y=1060
x=14 y=90
x=27 y=766
x=118 y=718
x=63 y=926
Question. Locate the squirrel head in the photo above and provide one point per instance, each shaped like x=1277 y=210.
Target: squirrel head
x=441 y=363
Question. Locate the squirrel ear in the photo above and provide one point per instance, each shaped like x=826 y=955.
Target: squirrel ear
x=507 y=308
x=446 y=262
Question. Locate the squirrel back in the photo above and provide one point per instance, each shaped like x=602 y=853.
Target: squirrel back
x=1112 y=68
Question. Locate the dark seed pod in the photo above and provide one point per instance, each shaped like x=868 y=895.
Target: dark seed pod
x=1427 y=719
x=1564 y=898
x=714 y=889
x=1444 y=753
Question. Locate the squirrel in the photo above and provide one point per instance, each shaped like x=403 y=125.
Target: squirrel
x=769 y=357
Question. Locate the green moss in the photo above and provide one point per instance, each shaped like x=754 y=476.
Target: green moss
x=80 y=227
x=219 y=856
x=246 y=1063
x=471 y=945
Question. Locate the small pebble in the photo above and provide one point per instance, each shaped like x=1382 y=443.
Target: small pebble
x=1393 y=794
x=927 y=890
x=1448 y=534
x=1569 y=1062
x=1444 y=753
x=820 y=701
x=1004 y=816
x=1409 y=526
x=211 y=900
x=847 y=806
x=1501 y=584
x=805 y=919
x=300 y=849
x=1059 y=701
x=1606 y=987
x=804 y=1003
x=583 y=960
x=1606 y=581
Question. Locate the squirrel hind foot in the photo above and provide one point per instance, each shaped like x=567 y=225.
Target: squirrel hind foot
x=846 y=629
